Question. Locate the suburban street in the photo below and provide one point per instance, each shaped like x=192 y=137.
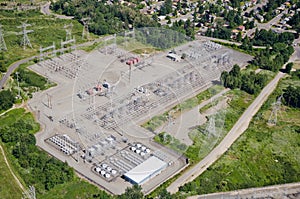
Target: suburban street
x=261 y=4
x=237 y=130
x=267 y=25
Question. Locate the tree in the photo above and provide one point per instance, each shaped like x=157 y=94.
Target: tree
x=289 y=67
x=164 y=194
x=291 y=96
x=7 y=99
x=155 y=17
x=134 y=192
x=239 y=37
x=168 y=6
x=235 y=71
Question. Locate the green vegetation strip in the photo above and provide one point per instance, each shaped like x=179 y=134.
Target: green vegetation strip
x=188 y=104
x=263 y=155
x=9 y=188
x=47 y=30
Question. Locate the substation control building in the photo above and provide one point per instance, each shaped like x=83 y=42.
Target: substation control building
x=145 y=171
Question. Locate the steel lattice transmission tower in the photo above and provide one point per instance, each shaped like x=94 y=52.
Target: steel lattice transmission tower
x=85 y=31
x=211 y=127
x=68 y=29
x=275 y=108
x=2 y=42
x=25 y=41
x=30 y=193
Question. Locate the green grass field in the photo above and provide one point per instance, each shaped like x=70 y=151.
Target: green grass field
x=263 y=155
x=14 y=115
x=78 y=189
x=46 y=30
x=9 y=189
x=203 y=142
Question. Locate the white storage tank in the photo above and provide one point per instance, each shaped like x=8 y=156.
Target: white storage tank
x=102 y=172
x=138 y=151
x=97 y=169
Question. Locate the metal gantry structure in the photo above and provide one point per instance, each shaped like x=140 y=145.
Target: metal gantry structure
x=42 y=50
x=2 y=41
x=25 y=41
x=275 y=108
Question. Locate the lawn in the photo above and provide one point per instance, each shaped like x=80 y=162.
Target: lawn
x=263 y=155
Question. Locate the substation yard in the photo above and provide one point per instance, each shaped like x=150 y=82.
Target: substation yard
x=92 y=118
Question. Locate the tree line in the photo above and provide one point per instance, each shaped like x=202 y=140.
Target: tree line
x=291 y=94
x=249 y=82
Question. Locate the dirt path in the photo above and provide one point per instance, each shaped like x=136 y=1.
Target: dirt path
x=3 y=153
x=11 y=171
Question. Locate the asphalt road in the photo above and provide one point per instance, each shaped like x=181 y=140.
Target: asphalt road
x=11 y=69
x=263 y=3
x=238 y=129
x=267 y=25
x=45 y=9
x=291 y=190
